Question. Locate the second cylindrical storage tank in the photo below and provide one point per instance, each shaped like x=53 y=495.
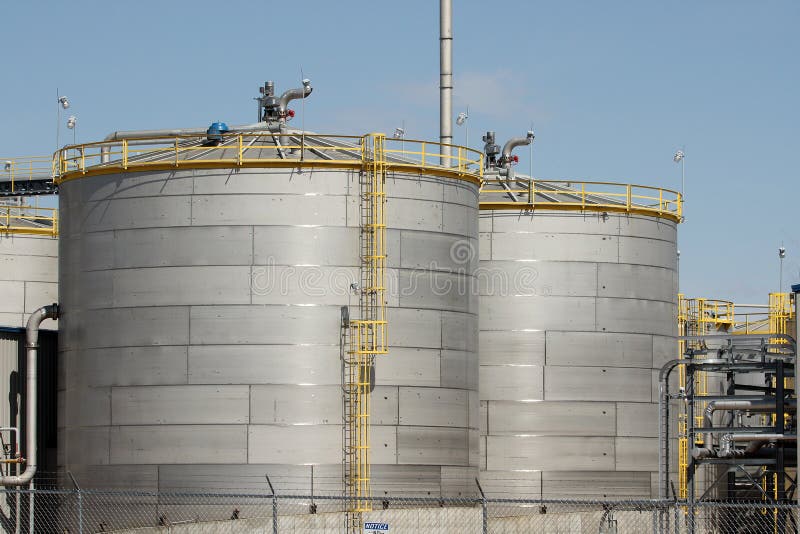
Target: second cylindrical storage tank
x=578 y=314
x=201 y=289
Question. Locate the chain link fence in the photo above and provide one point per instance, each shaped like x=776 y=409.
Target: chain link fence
x=78 y=511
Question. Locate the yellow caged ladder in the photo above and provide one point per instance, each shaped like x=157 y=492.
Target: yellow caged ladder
x=365 y=336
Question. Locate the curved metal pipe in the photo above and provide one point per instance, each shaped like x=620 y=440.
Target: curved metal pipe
x=293 y=94
x=32 y=346
x=513 y=143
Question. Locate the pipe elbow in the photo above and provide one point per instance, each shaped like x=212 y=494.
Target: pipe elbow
x=19 y=480
x=32 y=327
x=294 y=94
x=515 y=142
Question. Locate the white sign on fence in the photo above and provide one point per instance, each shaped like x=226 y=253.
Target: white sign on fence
x=376 y=528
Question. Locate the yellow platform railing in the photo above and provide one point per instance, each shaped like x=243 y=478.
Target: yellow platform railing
x=527 y=194
x=28 y=220
x=26 y=169
x=258 y=149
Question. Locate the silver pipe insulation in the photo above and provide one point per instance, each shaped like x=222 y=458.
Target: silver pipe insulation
x=32 y=347
x=508 y=148
x=446 y=79
x=765 y=405
x=135 y=135
x=756 y=441
x=294 y=94
x=513 y=143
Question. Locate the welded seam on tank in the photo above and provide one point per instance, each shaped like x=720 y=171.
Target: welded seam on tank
x=162 y=225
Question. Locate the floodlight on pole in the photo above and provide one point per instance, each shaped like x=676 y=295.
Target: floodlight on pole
x=400 y=133
x=461 y=120
x=679 y=157
x=72 y=121
x=781 y=256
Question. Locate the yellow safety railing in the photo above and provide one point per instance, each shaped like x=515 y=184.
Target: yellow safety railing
x=26 y=169
x=28 y=220
x=528 y=194
x=258 y=149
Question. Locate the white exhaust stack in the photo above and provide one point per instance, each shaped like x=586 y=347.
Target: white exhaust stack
x=446 y=78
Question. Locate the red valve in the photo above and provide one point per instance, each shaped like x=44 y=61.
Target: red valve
x=515 y=159
x=289 y=113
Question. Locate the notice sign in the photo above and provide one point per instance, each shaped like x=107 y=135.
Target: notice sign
x=376 y=528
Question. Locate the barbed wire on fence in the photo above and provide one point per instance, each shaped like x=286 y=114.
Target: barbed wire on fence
x=72 y=509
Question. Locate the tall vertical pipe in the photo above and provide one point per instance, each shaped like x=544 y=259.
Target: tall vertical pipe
x=32 y=346
x=446 y=79
x=796 y=291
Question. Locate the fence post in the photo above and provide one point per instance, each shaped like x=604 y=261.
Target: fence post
x=80 y=502
x=274 y=507
x=656 y=526
x=484 y=511
x=677 y=516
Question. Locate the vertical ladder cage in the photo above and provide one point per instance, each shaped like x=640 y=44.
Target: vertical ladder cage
x=366 y=336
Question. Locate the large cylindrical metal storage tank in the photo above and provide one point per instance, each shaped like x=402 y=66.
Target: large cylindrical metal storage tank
x=201 y=317
x=28 y=271
x=28 y=280
x=577 y=315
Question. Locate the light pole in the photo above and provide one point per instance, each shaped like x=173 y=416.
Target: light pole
x=400 y=133
x=461 y=120
x=679 y=157
x=781 y=255
x=63 y=103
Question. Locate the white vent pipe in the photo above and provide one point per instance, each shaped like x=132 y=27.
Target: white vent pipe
x=446 y=79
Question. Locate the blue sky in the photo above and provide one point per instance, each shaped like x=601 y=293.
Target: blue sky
x=613 y=88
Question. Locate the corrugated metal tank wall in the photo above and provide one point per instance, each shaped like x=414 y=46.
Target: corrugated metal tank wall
x=200 y=330
x=570 y=349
